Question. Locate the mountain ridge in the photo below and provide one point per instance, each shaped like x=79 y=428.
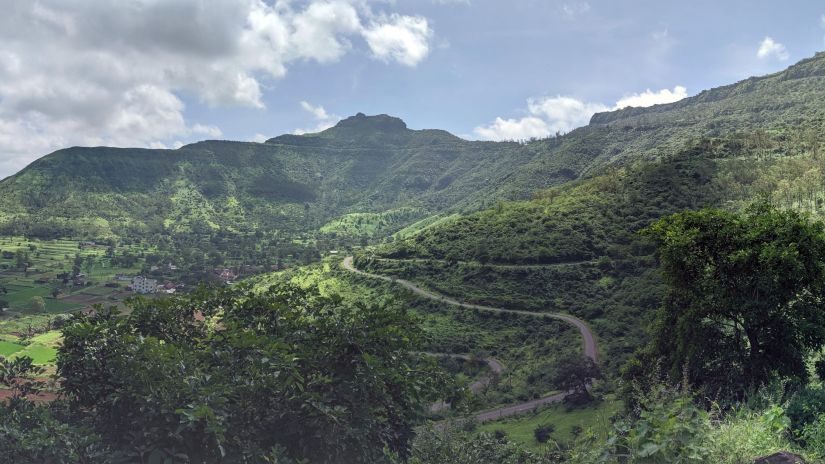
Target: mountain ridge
x=375 y=164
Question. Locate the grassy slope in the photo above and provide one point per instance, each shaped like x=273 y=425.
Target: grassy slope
x=594 y=418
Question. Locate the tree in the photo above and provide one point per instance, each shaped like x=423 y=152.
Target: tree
x=744 y=296
x=574 y=374
x=21 y=259
x=19 y=375
x=78 y=262
x=284 y=369
x=37 y=304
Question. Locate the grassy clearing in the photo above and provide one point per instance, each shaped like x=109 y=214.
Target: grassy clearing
x=370 y=224
x=520 y=429
x=40 y=354
x=51 y=338
x=8 y=348
x=423 y=224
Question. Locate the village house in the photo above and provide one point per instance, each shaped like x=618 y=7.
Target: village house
x=226 y=275
x=144 y=285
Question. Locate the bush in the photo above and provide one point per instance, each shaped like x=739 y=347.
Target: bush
x=819 y=368
x=805 y=407
x=813 y=435
x=543 y=432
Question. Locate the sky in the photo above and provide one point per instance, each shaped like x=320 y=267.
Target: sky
x=163 y=73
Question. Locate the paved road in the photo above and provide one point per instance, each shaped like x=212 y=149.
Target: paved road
x=590 y=349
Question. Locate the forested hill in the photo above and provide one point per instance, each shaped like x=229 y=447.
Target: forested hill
x=291 y=183
x=375 y=164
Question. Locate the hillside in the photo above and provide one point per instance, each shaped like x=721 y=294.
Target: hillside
x=576 y=247
x=290 y=183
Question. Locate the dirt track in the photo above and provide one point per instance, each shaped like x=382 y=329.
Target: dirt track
x=589 y=340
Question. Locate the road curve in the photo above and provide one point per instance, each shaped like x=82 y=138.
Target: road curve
x=589 y=340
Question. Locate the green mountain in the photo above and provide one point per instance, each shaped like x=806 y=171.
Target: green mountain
x=375 y=165
x=291 y=183
x=576 y=248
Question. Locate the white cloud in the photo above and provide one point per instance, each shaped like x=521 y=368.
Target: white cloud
x=563 y=113
x=650 y=98
x=260 y=138
x=574 y=9
x=549 y=115
x=318 y=111
x=405 y=39
x=770 y=48
x=514 y=129
x=209 y=131
x=85 y=72
x=323 y=119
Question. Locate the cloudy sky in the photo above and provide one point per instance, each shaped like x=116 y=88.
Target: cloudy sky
x=160 y=73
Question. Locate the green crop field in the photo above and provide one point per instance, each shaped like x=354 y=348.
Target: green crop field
x=9 y=348
x=51 y=338
x=41 y=355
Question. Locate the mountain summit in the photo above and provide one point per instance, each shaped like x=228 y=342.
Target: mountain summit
x=367 y=131
x=378 y=123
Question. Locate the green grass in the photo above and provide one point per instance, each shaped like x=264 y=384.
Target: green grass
x=520 y=428
x=97 y=291
x=422 y=225
x=40 y=354
x=50 y=338
x=8 y=348
x=370 y=224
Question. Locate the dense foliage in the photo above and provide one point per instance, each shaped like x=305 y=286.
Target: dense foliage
x=239 y=376
x=744 y=300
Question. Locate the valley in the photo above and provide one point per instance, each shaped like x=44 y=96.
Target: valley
x=551 y=290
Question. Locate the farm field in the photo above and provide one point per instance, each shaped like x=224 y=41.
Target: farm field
x=565 y=424
x=42 y=281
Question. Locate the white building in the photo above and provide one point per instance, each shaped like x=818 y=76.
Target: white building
x=143 y=285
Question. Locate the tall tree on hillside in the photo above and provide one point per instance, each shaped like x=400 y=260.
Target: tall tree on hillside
x=745 y=296
x=574 y=374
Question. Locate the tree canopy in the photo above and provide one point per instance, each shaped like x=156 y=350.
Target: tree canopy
x=237 y=376
x=745 y=296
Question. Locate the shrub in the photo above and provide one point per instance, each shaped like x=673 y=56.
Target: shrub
x=813 y=434
x=543 y=432
x=805 y=407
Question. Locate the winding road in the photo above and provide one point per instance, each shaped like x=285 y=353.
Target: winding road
x=589 y=340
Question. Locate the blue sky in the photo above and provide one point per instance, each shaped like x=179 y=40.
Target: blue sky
x=164 y=72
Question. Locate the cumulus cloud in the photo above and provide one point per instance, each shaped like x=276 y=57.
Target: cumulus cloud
x=92 y=72
x=404 y=39
x=650 y=98
x=514 y=129
x=770 y=48
x=323 y=120
x=550 y=115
